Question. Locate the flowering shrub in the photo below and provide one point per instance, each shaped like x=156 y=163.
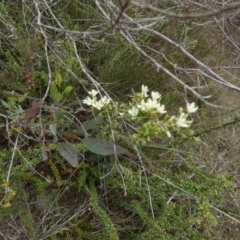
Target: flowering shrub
x=148 y=114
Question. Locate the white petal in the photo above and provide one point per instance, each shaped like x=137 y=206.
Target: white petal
x=155 y=95
x=105 y=100
x=89 y=101
x=133 y=111
x=168 y=134
x=161 y=109
x=151 y=104
x=144 y=89
x=142 y=105
x=182 y=121
x=98 y=105
x=191 y=108
x=93 y=93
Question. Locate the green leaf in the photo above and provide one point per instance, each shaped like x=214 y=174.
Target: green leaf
x=103 y=147
x=55 y=139
x=53 y=90
x=58 y=96
x=53 y=128
x=5 y=104
x=13 y=99
x=22 y=98
x=19 y=111
x=91 y=124
x=69 y=153
x=58 y=78
x=68 y=89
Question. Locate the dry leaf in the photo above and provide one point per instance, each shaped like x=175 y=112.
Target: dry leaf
x=33 y=110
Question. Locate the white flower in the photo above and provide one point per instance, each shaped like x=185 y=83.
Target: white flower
x=191 y=107
x=93 y=93
x=155 y=95
x=144 y=91
x=89 y=101
x=143 y=105
x=161 y=109
x=105 y=100
x=133 y=111
x=152 y=104
x=98 y=104
x=182 y=121
x=93 y=101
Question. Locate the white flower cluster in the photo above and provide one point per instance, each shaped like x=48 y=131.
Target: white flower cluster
x=91 y=100
x=145 y=104
x=148 y=104
x=147 y=111
x=154 y=103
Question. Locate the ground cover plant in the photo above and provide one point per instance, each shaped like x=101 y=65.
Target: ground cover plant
x=119 y=120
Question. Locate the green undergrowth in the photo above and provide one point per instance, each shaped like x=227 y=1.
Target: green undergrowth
x=151 y=199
